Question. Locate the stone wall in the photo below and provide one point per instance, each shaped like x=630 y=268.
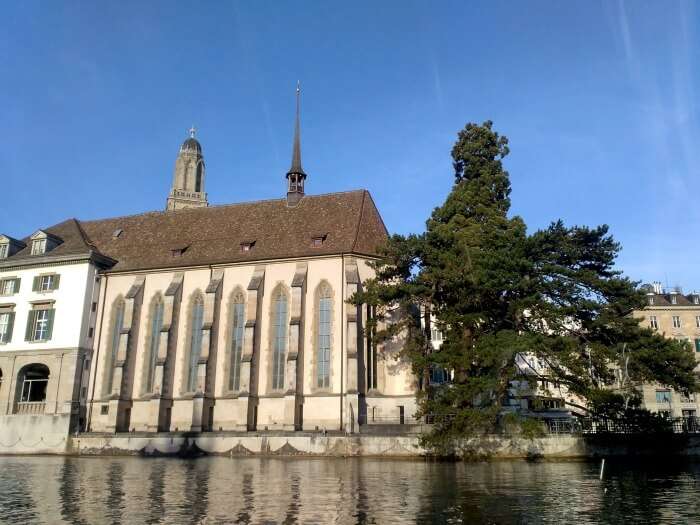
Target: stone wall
x=315 y=444
x=34 y=434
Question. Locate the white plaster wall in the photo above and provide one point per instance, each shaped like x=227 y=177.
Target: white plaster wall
x=72 y=303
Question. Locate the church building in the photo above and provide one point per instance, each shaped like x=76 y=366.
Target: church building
x=235 y=317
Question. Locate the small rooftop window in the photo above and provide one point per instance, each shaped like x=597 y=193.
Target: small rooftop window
x=696 y=299
x=4 y=250
x=318 y=240
x=674 y=299
x=247 y=246
x=178 y=252
x=117 y=233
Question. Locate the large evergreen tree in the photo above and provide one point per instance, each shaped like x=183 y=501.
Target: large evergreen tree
x=498 y=292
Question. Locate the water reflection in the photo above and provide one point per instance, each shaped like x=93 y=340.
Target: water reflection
x=289 y=491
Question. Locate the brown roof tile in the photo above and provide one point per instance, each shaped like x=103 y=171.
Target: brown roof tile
x=214 y=235
x=72 y=242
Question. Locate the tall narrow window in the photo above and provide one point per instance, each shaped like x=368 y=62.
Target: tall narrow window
x=371 y=362
x=237 y=327
x=116 y=337
x=279 y=349
x=653 y=323
x=7 y=320
x=323 y=369
x=195 y=343
x=676 y=321
x=154 y=342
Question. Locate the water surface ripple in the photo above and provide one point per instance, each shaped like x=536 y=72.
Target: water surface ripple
x=277 y=490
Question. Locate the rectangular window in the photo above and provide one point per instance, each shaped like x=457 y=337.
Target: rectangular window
x=9 y=286
x=4 y=248
x=697 y=321
x=104 y=410
x=7 y=320
x=653 y=323
x=46 y=283
x=40 y=323
x=674 y=300
x=688 y=398
x=436 y=335
x=663 y=396
x=676 y=321
x=38 y=246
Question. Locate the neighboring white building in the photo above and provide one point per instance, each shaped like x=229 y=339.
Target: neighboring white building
x=48 y=297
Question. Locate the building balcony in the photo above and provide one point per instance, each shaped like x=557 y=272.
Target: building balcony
x=29 y=407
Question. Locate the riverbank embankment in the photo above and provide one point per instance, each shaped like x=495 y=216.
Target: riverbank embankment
x=189 y=444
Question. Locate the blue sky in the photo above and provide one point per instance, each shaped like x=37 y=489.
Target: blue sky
x=598 y=101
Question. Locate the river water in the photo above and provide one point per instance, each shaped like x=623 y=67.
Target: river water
x=278 y=490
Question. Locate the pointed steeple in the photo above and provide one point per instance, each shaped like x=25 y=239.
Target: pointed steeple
x=296 y=175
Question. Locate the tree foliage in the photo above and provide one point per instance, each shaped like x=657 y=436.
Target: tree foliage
x=497 y=292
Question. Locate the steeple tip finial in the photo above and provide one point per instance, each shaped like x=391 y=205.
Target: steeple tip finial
x=296 y=175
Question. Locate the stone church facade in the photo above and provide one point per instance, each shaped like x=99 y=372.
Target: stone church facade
x=236 y=317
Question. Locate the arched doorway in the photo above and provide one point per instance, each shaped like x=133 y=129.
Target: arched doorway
x=32 y=383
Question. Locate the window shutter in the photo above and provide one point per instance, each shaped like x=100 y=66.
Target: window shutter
x=56 y=280
x=50 y=324
x=17 y=281
x=30 y=325
x=10 y=324
x=35 y=284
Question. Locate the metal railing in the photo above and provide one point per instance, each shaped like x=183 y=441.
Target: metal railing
x=365 y=419
x=30 y=407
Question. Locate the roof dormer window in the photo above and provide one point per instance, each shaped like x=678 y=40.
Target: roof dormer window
x=178 y=252
x=317 y=240
x=247 y=246
x=696 y=299
x=9 y=246
x=651 y=300
x=38 y=246
x=43 y=242
x=674 y=299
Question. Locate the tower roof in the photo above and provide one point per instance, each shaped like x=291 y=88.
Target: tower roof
x=191 y=144
x=296 y=148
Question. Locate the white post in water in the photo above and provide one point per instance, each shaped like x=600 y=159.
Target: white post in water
x=602 y=468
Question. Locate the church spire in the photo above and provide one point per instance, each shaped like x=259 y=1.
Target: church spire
x=296 y=175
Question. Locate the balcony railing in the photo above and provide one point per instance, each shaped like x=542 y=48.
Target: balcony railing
x=30 y=407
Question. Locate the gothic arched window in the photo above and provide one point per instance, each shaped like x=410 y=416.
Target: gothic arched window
x=237 y=327
x=117 y=325
x=196 y=324
x=279 y=341
x=154 y=341
x=323 y=343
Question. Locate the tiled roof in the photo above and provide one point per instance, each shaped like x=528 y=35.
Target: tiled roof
x=197 y=236
x=73 y=242
x=657 y=299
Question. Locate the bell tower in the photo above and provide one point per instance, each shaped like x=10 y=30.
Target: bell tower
x=188 y=178
x=296 y=176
